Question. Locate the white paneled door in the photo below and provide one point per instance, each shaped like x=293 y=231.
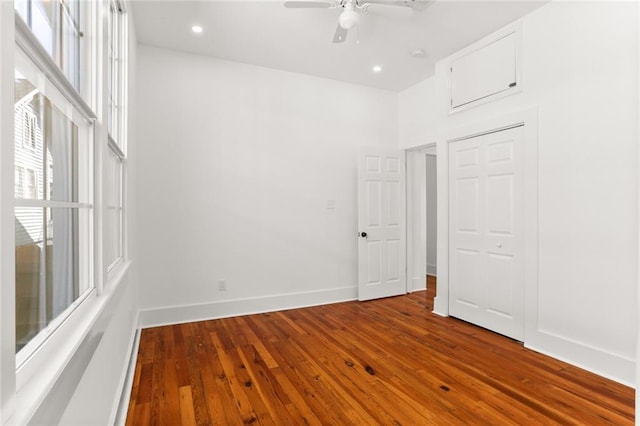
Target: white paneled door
x=486 y=265
x=381 y=223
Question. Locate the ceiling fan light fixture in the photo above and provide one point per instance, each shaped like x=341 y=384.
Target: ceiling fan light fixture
x=349 y=18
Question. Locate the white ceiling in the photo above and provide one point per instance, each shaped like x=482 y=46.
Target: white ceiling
x=266 y=33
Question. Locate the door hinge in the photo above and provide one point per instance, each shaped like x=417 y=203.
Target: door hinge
x=513 y=84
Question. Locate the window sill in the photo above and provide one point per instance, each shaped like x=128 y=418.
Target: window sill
x=44 y=370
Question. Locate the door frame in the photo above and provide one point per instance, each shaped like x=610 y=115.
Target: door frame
x=409 y=214
x=529 y=119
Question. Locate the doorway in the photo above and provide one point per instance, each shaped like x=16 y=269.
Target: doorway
x=421 y=218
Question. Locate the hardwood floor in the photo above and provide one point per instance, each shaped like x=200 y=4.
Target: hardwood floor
x=388 y=361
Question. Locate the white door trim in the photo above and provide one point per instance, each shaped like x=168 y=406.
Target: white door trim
x=528 y=118
x=638 y=296
x=411 y=232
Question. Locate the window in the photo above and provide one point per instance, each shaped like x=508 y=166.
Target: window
x=53 y=211
x=26 y=183
x=59 y=87
x=114 y=216
x=30 y=184
x=114 y=226
x=115 y=72
x=56 y=25
x=19 y=180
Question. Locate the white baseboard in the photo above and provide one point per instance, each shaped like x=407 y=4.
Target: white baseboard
x=231 y=308
x=119 y=414
x=612 y=366
x=418 y=284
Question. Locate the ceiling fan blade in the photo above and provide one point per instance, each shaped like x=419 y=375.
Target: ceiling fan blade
x=308 y=4
x=340 y=35
x=418 y=5
x=389 y=10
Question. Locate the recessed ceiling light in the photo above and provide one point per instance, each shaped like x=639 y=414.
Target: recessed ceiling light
x=196 y=29
x=376 y=68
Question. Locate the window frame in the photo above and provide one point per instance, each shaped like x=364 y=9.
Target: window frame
x=37 y=367
x=50 y=90
x=115 y=112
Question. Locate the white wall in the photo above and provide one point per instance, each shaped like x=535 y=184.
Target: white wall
x=580 y=68
x=417 y=118
x=239 y=164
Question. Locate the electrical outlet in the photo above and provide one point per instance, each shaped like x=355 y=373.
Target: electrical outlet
x=222 y=285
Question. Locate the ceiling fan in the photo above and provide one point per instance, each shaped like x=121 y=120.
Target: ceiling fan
x=350 y=16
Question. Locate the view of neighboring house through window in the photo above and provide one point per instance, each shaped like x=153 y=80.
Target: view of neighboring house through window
x=29 y=132
x=52 y=204
x=26 y=181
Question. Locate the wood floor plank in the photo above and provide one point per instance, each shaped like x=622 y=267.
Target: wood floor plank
x=218 y=391
x=242 y=402
x=388 y=361
x=187 y=414
x=133 y=399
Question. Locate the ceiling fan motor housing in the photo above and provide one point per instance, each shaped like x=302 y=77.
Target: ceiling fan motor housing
x=349 y=18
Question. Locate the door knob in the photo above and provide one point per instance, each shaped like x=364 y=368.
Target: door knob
x=363 y=234
x=499 y=245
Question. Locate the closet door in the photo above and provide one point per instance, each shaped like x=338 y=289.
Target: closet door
x=486 y=231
